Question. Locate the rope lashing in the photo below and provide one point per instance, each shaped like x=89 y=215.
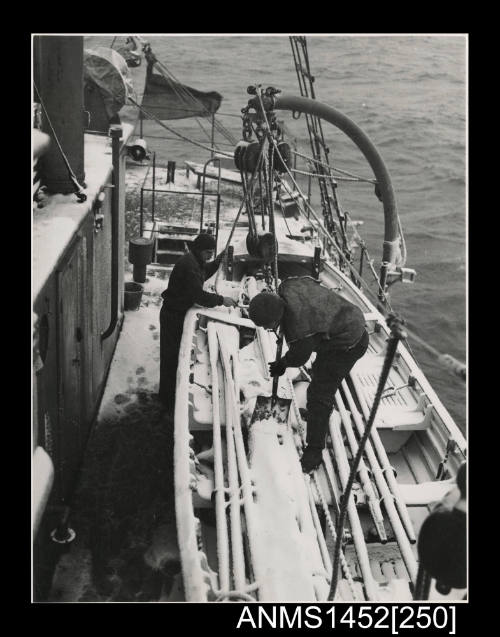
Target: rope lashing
x=397 y=333
x=79 y=190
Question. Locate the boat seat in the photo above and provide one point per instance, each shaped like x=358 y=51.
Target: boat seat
x=399 y=419
x=230 y=176
x=425 y=493
x=399 y=410
x=373 y=316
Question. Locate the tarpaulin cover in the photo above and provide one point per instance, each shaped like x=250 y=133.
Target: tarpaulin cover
x=167 y=99
x=108 y=69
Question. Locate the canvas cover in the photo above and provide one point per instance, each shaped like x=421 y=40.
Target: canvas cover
x=166 y=99
x=109 y=71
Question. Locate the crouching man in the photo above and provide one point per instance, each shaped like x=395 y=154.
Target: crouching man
x=314 y=319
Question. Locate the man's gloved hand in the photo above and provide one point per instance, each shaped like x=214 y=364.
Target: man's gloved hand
x=228 y=302
x=277 y=368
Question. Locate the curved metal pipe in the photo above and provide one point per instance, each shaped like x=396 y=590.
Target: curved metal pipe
x=366 y=146
x=115 y=132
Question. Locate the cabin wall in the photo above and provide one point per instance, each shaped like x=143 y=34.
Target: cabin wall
x=100 y=304
x=72 y=310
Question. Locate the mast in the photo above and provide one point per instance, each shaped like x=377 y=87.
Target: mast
x=319 y=148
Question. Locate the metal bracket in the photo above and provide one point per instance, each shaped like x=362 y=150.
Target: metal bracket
x=405 y=275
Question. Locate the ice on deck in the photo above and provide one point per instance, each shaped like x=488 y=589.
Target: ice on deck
x=288 y=561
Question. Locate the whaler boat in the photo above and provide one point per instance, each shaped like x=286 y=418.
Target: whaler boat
x=251 y=525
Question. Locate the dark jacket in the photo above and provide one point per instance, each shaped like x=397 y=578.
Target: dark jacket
x=185 y=285
x=316 y=317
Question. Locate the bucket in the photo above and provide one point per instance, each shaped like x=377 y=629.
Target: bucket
x=133 y=295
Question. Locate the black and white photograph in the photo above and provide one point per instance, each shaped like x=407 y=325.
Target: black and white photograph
x=249 y=283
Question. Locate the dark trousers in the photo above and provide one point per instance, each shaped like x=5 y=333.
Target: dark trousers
x=329 y=369
x=171 y=325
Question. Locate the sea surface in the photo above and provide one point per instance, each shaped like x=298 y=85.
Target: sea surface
x=408 y=93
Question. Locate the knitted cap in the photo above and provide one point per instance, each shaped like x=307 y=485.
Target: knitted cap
x=265 y=308
x=203 y=242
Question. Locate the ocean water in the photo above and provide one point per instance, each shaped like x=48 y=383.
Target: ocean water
x=408 y=93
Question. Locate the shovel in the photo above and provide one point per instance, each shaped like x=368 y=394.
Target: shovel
x=273 y=407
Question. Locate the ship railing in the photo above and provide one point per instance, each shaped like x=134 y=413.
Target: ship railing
x=155 y=195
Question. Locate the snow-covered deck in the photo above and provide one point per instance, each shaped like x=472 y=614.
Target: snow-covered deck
x=55 y=225
x=126 y=479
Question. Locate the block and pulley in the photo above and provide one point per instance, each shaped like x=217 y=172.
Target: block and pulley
x=263 y=245
x=246 y=156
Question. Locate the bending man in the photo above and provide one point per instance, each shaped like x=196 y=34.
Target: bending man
x=314 y=319
x=185 y=288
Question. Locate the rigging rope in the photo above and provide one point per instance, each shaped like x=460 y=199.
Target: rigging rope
x=320 y=175
x=448 y=361
x=316 y=125
x=332 y=239
x=317 y=142
x=79 y=190
x=252 y=179
x=304 y=198
x=282 y=205
x=186 y=139
x=200 y=141
x=181 y=91
x=268 y=179
x=338 y=170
